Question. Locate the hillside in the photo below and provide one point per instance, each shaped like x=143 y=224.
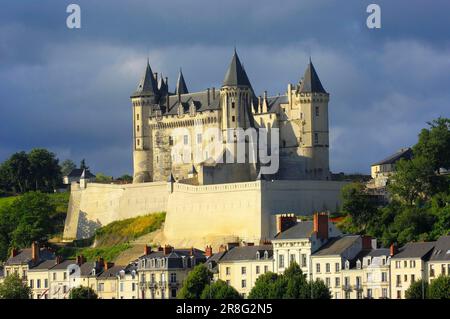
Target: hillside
x=113 y=239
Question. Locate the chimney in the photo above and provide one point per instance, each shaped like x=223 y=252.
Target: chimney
x=392 y=249
x=14 y=252
x=35 y=251
x=160 y=248
x=232 y=245
x=222 y=248
x=214 y=93
x=59 y=259
x=285 y=221
x=321 y=225
x=80 y=260
x=167 y=249
x=147 y=250
x=366 y=242
x=208 y=98
x=107 y=265
x=208 y=251
x=191 y=251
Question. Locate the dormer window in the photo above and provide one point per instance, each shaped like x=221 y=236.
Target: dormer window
x=358 y=264
x=347 y=264
x=266 y=255
x=93 y=272
x=258 y=255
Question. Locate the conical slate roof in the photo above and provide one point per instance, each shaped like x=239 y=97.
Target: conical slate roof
x=236 y=75
x=311 y=82
x=181 y=84
x=147 y=85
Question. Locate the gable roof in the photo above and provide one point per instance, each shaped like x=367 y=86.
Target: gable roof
x=24 y=257
x=303 y=229
x=236 y=75
x=415 y=250
x=311 y=82
x=337 y=246
x=247 y=253
x=441 y=250
x=405 y=153
x=77 y=172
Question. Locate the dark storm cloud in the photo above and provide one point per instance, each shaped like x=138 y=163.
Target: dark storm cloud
x=68 y=90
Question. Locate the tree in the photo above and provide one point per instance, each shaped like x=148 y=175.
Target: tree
x=82 y=292
x=14 y=288
x=45 y=170
x=434 y=144
x=267 y=286
x=102 y=178
x=30 y=217
x=195 y=283
x=18 y=171
x=319 y=290
x=67 y=166
x=417 y=290
x=126 y=178
x=220 y=290
x=358 y=205
x=296 y=284
x=440 y=288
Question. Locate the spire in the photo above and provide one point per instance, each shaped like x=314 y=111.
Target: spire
x=236 y=75
x=162 y=86
x=181 y=84
x=311 y=82
x=147 y=85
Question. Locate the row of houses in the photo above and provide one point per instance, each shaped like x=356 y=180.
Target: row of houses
x=352 y=266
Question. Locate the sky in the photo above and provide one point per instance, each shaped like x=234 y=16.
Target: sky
x=68 y=90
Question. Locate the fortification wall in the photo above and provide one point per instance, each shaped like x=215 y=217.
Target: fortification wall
x=101 y=204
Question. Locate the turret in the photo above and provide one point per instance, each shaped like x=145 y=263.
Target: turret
x=144 y=99
x=315 y=132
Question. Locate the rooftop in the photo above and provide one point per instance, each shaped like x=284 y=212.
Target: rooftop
x=415 y=250
x=303 y=229
x=24 y=256
x=247 y=253
x=441 y=250
x=405 y=153
x=337 y=246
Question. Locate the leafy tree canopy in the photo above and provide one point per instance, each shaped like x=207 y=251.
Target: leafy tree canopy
x=14 y=288
x=220 y=290
x=195 y=283
x=82 y=293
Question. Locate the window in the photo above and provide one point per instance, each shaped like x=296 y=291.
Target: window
x=133 y=286
x=173 y=293
x=233 y=118
x=443 y=269
x=347 y=295
x=303 y=260
x=399 y=294
x=358 y=295
x=369 y=293
x=413 y=278
x=244 y=283
x=318 y=267
x=317 y=111
x=228 y=282
x=137 y=117
x=316 y=138
x=232 y=105
x=101 y=287
x=328 y=282
x=199 y=138
x=337 y=282
x=412 y=264
x=138 y=142
x=38 y=283
x=266 y=269
x=243 y=270
x=431 y=271
x=292 y=259
x=45 y=283
x=137 y=128
x=406 y=278
x=54 y=276
x=170 y=140
x=337 y=267
x=121 y=286
x=399 y=281
x=31 y=283
x=327 y=267
x=173 y=277
x=405 y=264
x=347 y=282
x=227 y=271
x=281 y=261
x=358 y=282
x=257 y=270
x=65 y=275
x=185 y=140
x=384 y=293
x=384 y=276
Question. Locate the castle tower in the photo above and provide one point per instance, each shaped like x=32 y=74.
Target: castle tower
x=144 y=100
x=181 y=84
x=315 y=132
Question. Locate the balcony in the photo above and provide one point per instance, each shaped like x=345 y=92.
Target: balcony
x=174 y=284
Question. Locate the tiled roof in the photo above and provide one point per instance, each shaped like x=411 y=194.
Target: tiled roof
x=247 y=253
x=337 y=245
x=441 y=250
x=302 y=229
x=24 y=257
x=77 y=173
x=111 y=273
x=415 y=250
x=405 y=153
x=311 y=82
x=236 y=75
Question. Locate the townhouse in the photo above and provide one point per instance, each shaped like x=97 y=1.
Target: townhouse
x=439 y=263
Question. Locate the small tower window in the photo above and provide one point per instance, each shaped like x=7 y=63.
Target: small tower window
x=186 y=140
x=317 y=111
x=137 y=128
x=170 y=140
x=138 y=142
x=232 y=105
x=199 y=138
x=137 y=117
x=316 y=138
x=233 y=118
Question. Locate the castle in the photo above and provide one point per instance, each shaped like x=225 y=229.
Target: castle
x=221 y=162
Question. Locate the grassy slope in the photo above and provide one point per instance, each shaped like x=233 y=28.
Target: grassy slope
x=114 y=238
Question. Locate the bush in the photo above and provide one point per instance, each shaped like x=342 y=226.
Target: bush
x=14 y=288
x=82 y=293
x=440 y=288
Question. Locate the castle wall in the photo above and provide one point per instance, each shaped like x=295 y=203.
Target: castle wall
x=200 y=214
